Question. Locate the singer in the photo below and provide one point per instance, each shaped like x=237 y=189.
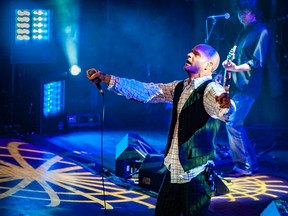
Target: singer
x=247 y=71
x=195 y=120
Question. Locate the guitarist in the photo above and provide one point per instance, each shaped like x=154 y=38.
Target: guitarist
x=246 y=76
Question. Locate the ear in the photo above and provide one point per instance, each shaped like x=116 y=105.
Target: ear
x=209 y=66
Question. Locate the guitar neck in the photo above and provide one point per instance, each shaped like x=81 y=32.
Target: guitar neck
x=227 y=75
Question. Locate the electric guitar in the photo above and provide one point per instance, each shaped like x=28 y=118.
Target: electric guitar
x=227 y=74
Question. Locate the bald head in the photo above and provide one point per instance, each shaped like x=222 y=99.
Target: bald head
x=211 y=55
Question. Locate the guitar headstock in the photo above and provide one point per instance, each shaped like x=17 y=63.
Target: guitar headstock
x=231 y=54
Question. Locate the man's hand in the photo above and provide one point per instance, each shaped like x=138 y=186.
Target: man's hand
x=93 y=75
x=97 y=76
x=223 y=100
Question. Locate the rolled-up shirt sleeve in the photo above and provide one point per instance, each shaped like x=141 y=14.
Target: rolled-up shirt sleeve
x=261 y=50
x=212 y=107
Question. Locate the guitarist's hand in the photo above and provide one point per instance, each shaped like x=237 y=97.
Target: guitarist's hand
x=229 y=65
x=223 y=100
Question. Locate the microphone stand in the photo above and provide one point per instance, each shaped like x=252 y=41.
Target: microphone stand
x=209 y=34
x=102 y=171
x=102 y=133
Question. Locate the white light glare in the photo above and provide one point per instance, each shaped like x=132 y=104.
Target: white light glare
x=39 y=25
x=23 y=37
x=23 y=25
x=23 y=19
x=39 y=37
x=23 y=13
x=75 y=70
x=23 y=31
x=39 y=31
x=39 y=12
x=40 y=19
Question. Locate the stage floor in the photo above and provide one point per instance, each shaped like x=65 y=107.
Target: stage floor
x=59 y=174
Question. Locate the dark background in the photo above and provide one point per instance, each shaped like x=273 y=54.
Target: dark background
x=146 y=40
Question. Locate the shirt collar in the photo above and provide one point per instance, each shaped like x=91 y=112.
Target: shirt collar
x=196 y=82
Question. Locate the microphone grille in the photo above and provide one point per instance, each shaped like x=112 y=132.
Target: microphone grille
x=227 y=15
x=91 y=72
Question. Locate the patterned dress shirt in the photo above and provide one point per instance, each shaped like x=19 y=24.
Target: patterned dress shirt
x=164 y=93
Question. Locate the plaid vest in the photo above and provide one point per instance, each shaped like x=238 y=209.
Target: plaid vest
x=197 y=130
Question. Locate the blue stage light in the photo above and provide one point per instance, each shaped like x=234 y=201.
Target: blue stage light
x=53 y=98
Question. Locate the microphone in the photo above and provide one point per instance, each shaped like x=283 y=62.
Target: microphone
x=99 y=88
x=90 y=72
x=226 y=16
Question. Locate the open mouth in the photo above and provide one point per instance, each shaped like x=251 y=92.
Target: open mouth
x=188 y=63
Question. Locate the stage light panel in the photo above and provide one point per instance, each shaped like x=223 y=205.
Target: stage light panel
x=32 y=25
x=53 y=98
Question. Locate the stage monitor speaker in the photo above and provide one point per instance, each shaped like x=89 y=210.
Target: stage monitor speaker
x=152 y=171
x=278 y=207
x=130 y=153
